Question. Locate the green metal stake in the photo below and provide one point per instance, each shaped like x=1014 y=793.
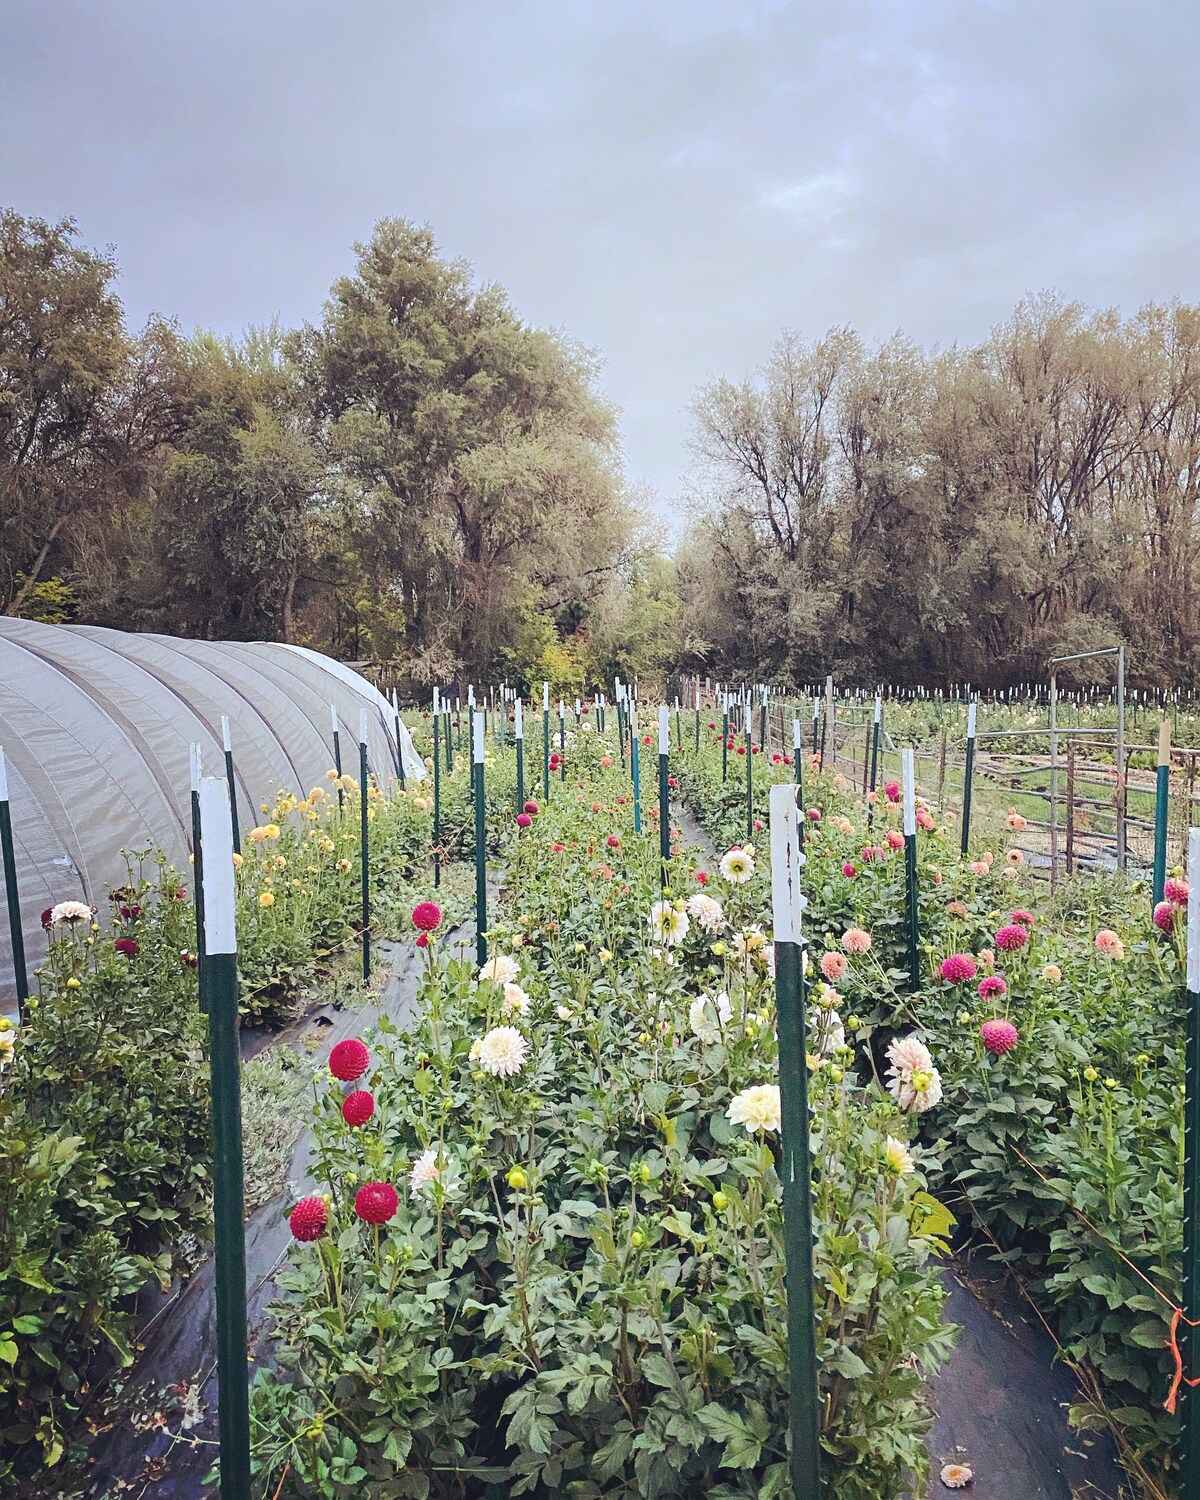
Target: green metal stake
x=337 y=755
x=221 y=985
x=635 y=765
x=562 y=741
x=1161 y=802
x=908 y=777
x=16 y=932
x=399 y=740
x=1189 y=1335
x=519 y=730
x=749 y=773
x=876 y=737
x=198 y=876
x=795 y=1169
x=449 y=742
x=798 y=756
x=233 y=812
x=697 y=721
x=480 y=842
x=664 y=794
x=364 y=860
x=437 y=793
x=725 y=742
x=968 y=774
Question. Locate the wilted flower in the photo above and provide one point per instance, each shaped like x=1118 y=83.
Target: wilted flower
x=515 y=1001
x=502 y=1051
x=1164 y=916
x=828 y=1032
x=706 y=1017
x=755 y=1109
x=956 y=1476
x=424 y=1170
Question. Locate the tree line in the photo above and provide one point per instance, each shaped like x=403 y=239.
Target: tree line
x=418 y=476
x=930 y=516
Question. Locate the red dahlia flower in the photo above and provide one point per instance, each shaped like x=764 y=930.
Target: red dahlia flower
x=309 y=1219
x=358 y=1107
x=376 y=1202
x=349 y=1060
x=126 y=946
x=426 y=916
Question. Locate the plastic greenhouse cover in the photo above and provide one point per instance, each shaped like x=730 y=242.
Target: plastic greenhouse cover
x=97 y=724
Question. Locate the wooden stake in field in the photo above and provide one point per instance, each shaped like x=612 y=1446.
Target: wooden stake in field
x=787 y=903
x=227 y=742
x=908 y=777
x=477 y=727
x=221 y=985
x=16 y=932
x=1189 y=1333
x=664 y=794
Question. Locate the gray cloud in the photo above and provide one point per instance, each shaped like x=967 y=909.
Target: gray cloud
x=672 y=182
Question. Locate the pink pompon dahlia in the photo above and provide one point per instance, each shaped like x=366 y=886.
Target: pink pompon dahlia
x=1022 y=918
x=993 y=987
x=349 y=1060
x=1012 y=938
x=426 y=916
x=531 y=808
x=959 y=968
x=523 y=820
x=856 y=940
x=894 y=839
x=998 y=1036
x=892 y=791
x=376 y=1202
x=358 y=1107
x=1176 y=890
x=309 y=1219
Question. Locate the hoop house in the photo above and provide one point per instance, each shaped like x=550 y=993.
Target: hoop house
x=96 y=727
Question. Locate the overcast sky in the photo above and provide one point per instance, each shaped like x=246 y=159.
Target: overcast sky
x=671 y=182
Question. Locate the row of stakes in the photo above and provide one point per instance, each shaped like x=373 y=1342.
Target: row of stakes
x=216 y=837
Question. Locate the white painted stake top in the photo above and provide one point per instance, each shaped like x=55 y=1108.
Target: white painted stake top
x=562 y=712
x=697 y=700
x=477 y=736
x=362 y=726
x=226 y=742
x=194 y=766
x=437 y=701
x=910 y=791
x=520 y=724
x=787 y=860
x=971 y=721
x=1193 y=911
x=664 y=730
x=3 y=777
x=749 y=719
x=216 y=835
x=333 y=723
x=578 y=707
x=797 y=735
x=470 y=696
x=816 y=707
x=878 y=709
x=545 y=695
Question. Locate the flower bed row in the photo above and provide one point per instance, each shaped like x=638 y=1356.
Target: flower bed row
x=1058 y=1026
x=548 y=1249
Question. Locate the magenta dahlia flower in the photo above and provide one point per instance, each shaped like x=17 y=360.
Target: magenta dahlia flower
x=309 y=1219
x=349 y=1060
x=1012 y=938
x=1176 y=890
x=959 y=968
x=992 y=987
x=1164 y=916
x=999 y=1037
x=376 y=1202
